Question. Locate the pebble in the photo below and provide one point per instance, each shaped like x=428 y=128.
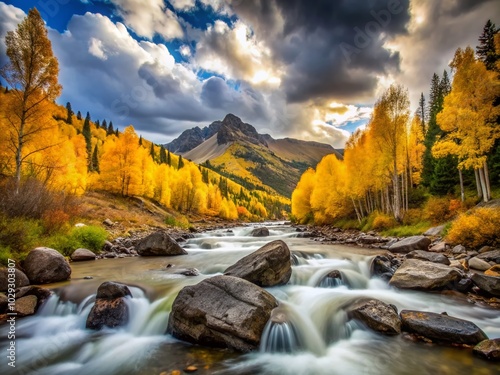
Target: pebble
x=191 y=369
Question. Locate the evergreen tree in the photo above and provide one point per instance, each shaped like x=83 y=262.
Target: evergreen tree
x=152 y=151
x=87 y=134
x=486 y=48
x=105 y=125
x=432 y=132
x=97 y=124
x=421 y=112
x=79 y=115
x=110 y=128
x=69 y=118
x=140 y=141
x=117 y=132
x=169 y=159
x=181 y=162
x=163 y=155
x=95 y=160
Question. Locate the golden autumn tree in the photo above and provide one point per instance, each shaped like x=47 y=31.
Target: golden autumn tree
x=301 y=196
x=32 y=75
x=469 y=117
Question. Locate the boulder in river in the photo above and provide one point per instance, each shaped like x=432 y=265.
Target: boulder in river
x=488 y=284
x=410 y=243
x=20 y=279
x=26 y=305
x=382 y=267
x=110 y=308
x=260 y=232
x=44 y=265
x=82 y=255
x=377 y=315
x=423 y=275
x=488 y=349
x=159 y=243
x=428 y=256
x=222 y=311
x=441 y=328
x=268 y=266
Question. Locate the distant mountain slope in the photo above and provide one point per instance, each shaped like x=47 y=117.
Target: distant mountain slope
x=234 y=148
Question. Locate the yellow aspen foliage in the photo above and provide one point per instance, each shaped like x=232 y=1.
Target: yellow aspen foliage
x=416 y=149
x=301 y=196
x=228 y=210
x=468 y=115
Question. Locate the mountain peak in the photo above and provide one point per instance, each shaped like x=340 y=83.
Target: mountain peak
x=231 y=119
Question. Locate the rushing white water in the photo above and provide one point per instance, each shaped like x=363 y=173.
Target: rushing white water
x=308 y=333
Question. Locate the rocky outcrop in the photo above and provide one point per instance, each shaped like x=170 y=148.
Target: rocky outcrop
x=191 y=138
x=44 y=265
x=260 y=232
x=222 y=311
x=20 y=279
x=159 y=243
x=80 y=255
x=488 y=284
x=434 y=231
x=410 y=243
x=418 y=274
x=428 y=256
x=110 y=308
x=376 y=315
x=441 y=328
x=488 y=349
x=268 y=266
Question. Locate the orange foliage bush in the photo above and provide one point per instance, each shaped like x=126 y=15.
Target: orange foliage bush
x=437 y=210
x=54 y=220
x=383 y=222
x=476 y=229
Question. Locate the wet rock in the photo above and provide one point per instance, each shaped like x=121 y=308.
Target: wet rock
x=4 y=303
x=110 y=255
x=377 y=315
x=418 y=274
x=26 y=305
x=488 y=284
x=490 y=256
x=459 y=249
x=428 y=256
x=331 y=280
x=159 y=243
x=19 y=277
x=42 y=294
x=222 y=311
x=368 y=239
x=270 y=265
x=82 y=255
x=260 y=232
x=44 y=265
x=479 y=264
x=441 y=328
x=381 y=266
x=488 y=349
x=434 y=231
x=493 y=271
x=410 y=243
x=188 y=272
x=464 y=285
x=110 y=308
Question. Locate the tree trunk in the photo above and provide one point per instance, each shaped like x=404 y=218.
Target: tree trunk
x=487 y=179
x=396 y=203
x=462 y=193
x=483 y=184
x=356 y=210
x=478 y=184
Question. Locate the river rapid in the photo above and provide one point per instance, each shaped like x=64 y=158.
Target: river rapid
x=316 y=338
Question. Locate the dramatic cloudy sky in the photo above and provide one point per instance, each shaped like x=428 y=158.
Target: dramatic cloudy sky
x=310 y=69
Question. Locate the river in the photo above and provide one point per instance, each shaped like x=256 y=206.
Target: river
x=315 y=340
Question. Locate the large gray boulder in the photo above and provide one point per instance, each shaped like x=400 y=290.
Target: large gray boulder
x=260 y=232
x=222 y=311
x=377 y=315
x=428 y=256
x=434 y=231
x=409 y=244
x=44 y=265
x=80 y=255
x=110 y=308
x=268 y=266
x=418 y=274
x=488 y=284
x=20 y=279
x=159 y=243
x=478 y=264
x=441 y=328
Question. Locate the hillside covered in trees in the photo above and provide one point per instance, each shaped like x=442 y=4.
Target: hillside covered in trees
x=444 y=158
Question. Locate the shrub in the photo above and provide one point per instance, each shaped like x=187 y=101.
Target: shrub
x=437 y=210
x=475 y=229
x=55 y=220
x=89 y=237
x=412 y=217
x=19 y=235
x=181 y=221
x=383 y=222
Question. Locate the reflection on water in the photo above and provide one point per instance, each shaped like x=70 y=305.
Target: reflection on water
x=308 y=333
